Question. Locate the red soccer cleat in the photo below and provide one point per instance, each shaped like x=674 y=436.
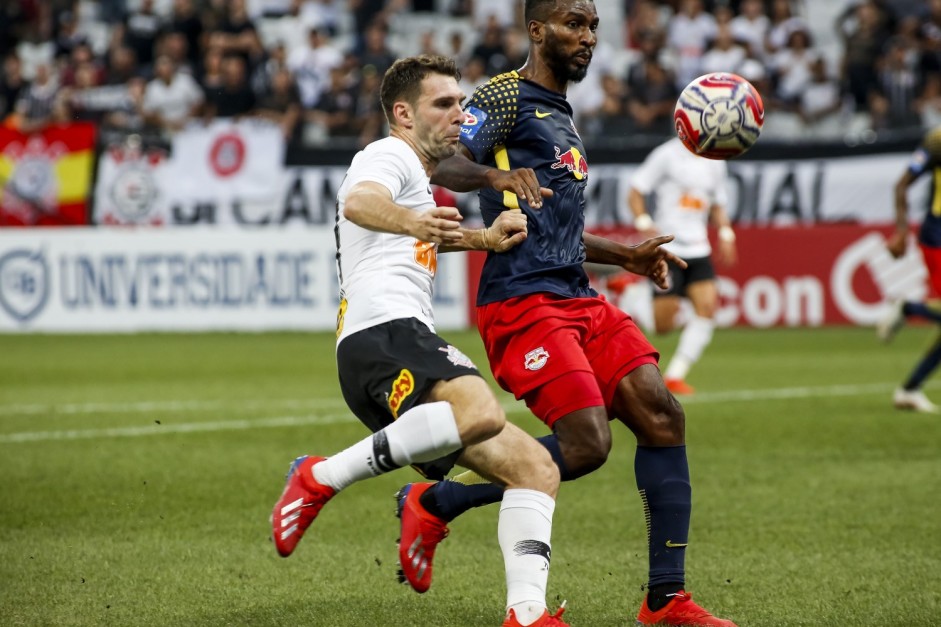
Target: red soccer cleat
x=420 y=534
x=546 y=620
x=679 y=386
x=301 y=501
x=680 y=611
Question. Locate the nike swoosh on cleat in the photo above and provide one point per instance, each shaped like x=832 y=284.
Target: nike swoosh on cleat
x=541 y=115
x=676 y=545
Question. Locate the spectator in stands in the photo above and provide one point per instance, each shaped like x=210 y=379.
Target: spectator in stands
x=784 y=20
x=34 y=107
x=334 y=110
x=651 y=88
x=491 y=49
x=689 y=33
x=473 y=75
x=369 y=120
x=311 y=66
x=750 y=27
x=821 y=102
x=173 y=44
x=322 y=13
x=375 y=50
x=128 y=115
x=790 y=68
x=172 y=98
x=234 y=98
x=263 y=76
x=281 y=103
x=210 y=73
x=11 y=85
x=643 y=16
x=139 y=30
x=237 y=35
x=367 y=12
x=896 y=99
x=120 y=65
x=862 y=47
x=185 y=20
x=724 y=54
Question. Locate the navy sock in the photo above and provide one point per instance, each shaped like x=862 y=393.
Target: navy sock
x=662 y=475
x=922 y=310
x=925 y=367
x=449 y=499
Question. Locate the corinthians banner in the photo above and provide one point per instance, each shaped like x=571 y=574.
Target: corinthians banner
x=45 y=177
x=211 y=174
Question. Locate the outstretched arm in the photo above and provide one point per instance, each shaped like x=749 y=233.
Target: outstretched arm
x=460 y=173
x=647 y=259
x=898 y=240
x=370 y=206
x=507 y=231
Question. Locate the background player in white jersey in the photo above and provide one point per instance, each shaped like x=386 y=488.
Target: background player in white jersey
x=688 y=192
x=422 y=397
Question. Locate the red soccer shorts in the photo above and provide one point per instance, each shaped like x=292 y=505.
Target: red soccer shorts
x=561 y=354
x=932 y=257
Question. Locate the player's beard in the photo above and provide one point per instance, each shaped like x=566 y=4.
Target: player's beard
x=561 y=64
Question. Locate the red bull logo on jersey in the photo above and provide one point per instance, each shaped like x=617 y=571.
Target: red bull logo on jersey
x=536 y=358
x=573 y=161
x=403 y=385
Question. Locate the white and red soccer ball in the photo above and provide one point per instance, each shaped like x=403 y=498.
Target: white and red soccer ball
x=719 y=116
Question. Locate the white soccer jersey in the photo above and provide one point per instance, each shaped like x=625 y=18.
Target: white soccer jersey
x=686 y=187
x=383 y=276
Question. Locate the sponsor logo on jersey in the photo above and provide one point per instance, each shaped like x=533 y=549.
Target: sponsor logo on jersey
x=456 y=357
x=474 y=118
x=403 y=385
x=573 y=161
x=536 y=358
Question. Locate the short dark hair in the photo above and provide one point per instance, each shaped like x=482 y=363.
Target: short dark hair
x=538 y=10
x=402 y=81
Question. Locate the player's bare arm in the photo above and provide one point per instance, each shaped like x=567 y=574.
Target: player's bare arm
x=728 y=253
x=507 y=231
x=370 y=206
x=648 y=258
x=460 y=173
x=898 y=240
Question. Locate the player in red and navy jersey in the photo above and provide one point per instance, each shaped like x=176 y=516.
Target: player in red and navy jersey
x=576 y=360
x=927 y=158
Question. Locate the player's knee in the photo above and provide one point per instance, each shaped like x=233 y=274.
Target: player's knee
x=482 y=420
x=586 y=454
x=667 y=426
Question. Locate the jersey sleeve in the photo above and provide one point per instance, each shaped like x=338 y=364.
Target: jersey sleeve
x=651 y=171
x=385 y=166
x=489 y=116
x=928 y=155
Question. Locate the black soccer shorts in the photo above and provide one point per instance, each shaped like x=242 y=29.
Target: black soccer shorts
x=389 y=368
x=697 y=269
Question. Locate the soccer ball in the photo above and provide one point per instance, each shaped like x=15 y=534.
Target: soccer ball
x=719 y=116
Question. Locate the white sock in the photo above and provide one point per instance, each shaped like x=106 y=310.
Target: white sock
x=524 y=531
x=694 y=339
x=421 y=434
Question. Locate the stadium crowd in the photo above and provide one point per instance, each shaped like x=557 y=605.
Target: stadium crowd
x=314 y=66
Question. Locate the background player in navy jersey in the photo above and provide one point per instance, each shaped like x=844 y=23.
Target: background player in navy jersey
x=927 y=158
x=576 y=360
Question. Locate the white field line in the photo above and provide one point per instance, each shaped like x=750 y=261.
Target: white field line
x=334 y=418
x=168 y=406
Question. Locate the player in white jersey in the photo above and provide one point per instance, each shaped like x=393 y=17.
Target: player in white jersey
x=689 y=191
x=424 y=400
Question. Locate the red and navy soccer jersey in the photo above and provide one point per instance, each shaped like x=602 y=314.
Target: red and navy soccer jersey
x=514 y=123
x=928 y=159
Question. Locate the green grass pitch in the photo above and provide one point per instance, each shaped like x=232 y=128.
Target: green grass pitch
x=138 y=473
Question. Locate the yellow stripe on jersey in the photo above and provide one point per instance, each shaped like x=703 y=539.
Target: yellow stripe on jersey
x=936 y=196
x=502 y=157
